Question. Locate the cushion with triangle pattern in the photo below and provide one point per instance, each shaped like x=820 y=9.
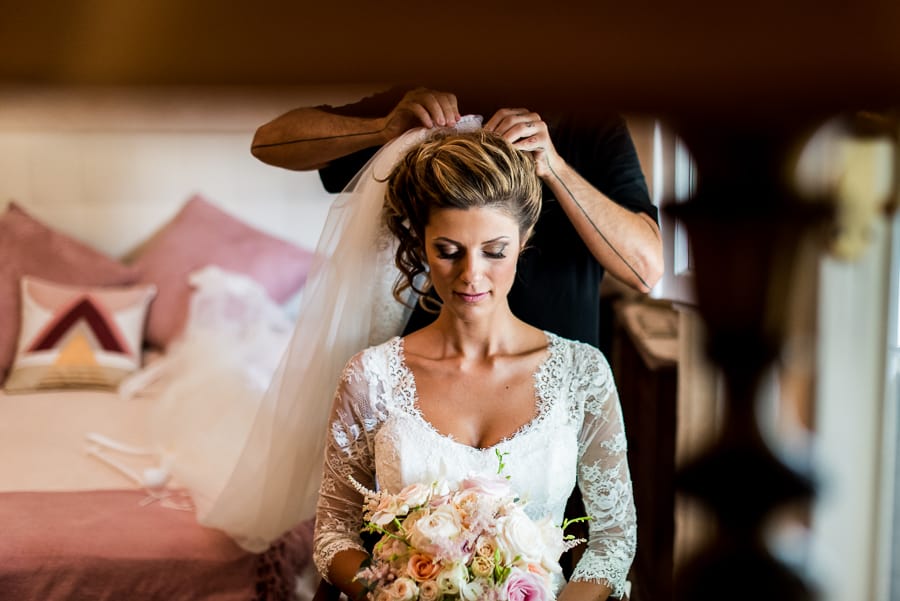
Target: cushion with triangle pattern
x=78 y=336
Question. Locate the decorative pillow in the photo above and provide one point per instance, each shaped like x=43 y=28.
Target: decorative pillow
x=202 y=234
x=78 y=337
x=28 y=247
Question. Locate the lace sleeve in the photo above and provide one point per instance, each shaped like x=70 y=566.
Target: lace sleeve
x=348 y=452
x=603 y=477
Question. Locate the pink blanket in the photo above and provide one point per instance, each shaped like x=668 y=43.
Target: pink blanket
x=102 y=545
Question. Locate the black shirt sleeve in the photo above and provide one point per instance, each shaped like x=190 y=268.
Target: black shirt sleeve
x=601 y=150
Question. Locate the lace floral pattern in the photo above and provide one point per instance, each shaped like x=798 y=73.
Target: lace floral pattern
x=577 y=434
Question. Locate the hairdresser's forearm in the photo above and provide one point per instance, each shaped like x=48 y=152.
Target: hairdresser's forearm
x=626 y=243
x=309 y=138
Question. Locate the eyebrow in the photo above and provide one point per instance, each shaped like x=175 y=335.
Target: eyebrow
x=451 y=241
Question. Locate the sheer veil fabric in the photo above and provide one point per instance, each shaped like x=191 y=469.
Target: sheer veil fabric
x=347 y=305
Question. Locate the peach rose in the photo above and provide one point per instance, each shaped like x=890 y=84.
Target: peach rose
x=429 y=591
x=485 y=547
x=403 y=589
x=421 y=567
x=482 y=566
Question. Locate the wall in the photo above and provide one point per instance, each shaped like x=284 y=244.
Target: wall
x=109 y=166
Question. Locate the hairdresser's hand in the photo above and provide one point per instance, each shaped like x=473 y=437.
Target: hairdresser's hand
x=526 y=130
x=421 y=107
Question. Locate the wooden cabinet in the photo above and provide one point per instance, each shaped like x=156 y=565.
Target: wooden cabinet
x=643 y=356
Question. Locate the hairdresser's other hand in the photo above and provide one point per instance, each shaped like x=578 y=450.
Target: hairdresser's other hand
x=421 y=107
x=526 y=130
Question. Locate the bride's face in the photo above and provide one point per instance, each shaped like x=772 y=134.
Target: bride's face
x=472 y=256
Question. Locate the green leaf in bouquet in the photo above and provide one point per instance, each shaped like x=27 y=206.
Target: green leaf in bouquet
x=567 y=522
x=501 y=465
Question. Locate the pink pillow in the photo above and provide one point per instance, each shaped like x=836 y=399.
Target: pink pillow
x=28 y=247
x=202 y=234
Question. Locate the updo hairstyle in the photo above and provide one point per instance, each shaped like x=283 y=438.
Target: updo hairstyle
x=476 y=169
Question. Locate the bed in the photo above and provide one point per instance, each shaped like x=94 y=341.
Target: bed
x=116 y=190
x=81 y=518
x=75 y=528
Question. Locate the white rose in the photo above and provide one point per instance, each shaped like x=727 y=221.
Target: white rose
x=441 y=488
x=517 y=536
x=471 y=591
x=451 y=579
x=442 y=524
x=551 y=545
x=403 y=589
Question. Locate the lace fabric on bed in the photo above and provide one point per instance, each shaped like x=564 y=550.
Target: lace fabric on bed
x=376 y=428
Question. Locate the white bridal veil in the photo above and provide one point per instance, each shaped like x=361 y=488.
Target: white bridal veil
x=347 y=305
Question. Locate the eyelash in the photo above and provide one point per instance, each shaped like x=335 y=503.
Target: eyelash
x=458 y=254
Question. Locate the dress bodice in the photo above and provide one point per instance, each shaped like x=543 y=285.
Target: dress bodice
x=409 y=449
x=380 y=438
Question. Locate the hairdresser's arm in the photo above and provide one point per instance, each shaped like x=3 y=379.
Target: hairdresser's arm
x=309 y=137
x=626 y=243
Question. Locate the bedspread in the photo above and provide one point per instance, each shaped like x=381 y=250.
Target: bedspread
x=104 y=545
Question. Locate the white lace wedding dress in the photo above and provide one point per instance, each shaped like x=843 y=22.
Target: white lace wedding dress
x=377 y=433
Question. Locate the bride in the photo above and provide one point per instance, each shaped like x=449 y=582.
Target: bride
x=444 y=401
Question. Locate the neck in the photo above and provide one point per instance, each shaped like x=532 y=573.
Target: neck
x=479 y=338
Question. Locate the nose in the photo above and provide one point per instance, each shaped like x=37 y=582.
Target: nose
x=472 y=269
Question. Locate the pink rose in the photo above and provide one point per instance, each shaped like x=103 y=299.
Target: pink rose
x=415 y=495
x=388 y=508
x=526 y=586
x=494 y=485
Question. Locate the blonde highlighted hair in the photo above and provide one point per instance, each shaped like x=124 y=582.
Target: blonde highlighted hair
x=456 y=171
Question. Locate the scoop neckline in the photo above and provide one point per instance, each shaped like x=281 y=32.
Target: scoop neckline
x=541 y=404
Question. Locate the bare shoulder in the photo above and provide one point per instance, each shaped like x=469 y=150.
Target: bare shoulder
x=421 y=343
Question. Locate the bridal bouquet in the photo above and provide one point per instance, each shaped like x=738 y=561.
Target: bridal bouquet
x=469 y=542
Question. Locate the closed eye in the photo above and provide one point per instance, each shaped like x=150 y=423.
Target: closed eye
x=448 y=252
x=495 y=251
